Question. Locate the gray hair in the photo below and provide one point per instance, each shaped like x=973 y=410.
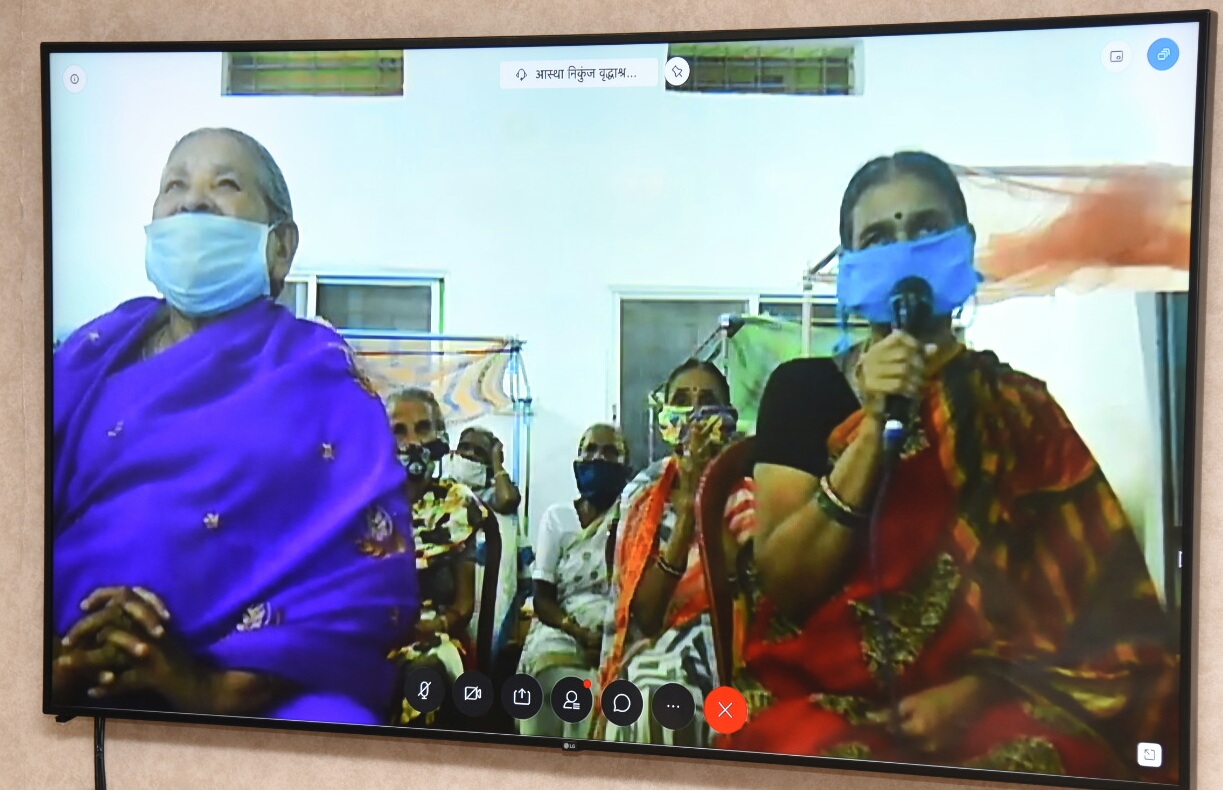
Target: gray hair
x=271 y=181
x=479 y=431
x=418 y=395
x=615 y=429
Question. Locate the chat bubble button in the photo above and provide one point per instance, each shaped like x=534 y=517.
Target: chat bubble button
x=622 y=703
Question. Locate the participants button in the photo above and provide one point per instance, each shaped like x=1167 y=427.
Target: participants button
x=571 y=699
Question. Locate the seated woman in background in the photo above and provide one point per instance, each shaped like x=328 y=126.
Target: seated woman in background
x=1008 y=620
x=478 y=462
x=446 y=517
x=573 y=552
x=216 y=463
x=661 y=630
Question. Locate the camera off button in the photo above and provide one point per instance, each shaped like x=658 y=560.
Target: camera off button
x=74 y=79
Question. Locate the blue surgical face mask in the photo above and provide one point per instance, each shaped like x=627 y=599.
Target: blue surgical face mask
x=207 y=264
x=865 y=278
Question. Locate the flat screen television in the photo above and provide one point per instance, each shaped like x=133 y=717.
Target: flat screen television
x=820 y=397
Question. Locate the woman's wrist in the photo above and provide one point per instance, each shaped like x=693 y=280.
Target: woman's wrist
x=837 y=509
x=677 y=549
x=672 y=566
x=569 y=625
x=871 y=427
x=200 y=690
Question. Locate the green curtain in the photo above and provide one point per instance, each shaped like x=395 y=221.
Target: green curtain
x=760 y=346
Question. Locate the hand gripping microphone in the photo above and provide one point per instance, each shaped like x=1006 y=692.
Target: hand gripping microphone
x=912 y=302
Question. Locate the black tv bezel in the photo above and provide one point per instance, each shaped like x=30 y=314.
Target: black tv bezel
x=1205 y=19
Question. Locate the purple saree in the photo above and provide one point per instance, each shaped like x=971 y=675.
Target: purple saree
x=241 y=475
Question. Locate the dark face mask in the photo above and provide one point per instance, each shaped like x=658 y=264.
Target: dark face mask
x=600 y=482
x=416 y=458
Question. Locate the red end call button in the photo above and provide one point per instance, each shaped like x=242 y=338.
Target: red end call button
x=725 y=710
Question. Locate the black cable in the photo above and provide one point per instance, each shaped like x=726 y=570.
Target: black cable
x=99 y=753
x=893 y=441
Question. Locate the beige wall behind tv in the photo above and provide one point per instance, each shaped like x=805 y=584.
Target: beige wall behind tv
x=35 y=752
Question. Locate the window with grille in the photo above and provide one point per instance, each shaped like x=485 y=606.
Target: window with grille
x=792 y=308
x=367 y=305
x=802 y=69
x=376 y=72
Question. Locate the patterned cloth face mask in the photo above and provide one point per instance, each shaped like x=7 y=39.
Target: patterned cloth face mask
x=671 y=422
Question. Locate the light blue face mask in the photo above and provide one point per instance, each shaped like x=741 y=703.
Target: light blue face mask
x=206 y=264
x=865 y=278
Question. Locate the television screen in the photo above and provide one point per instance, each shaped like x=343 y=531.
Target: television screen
x=818 y=397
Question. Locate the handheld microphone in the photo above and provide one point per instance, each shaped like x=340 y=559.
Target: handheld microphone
x=912 y=302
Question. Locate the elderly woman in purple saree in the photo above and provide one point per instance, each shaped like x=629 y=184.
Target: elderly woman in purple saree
x=215 y=501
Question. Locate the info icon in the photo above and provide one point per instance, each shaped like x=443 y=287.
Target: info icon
x=522 y=697
x=424 y=688
x=622 y=703
x=672 y=706
x=571 y=699
x=473 y=694
x=74 y=79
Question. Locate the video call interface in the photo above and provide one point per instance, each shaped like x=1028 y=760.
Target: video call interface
x=807 y=397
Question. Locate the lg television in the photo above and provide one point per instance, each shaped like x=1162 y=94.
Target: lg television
x=820 y=397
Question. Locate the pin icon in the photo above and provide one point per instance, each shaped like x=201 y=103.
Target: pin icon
x=676 y=71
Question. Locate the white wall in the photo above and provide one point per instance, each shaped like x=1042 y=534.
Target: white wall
x=536 y=203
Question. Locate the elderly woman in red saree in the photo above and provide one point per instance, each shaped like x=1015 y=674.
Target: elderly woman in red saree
x=991 y=607
x=218 y=467
x=661 y=630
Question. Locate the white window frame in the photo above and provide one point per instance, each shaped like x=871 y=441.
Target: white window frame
x=436 y=282
x=791 y=299
x=620 y=293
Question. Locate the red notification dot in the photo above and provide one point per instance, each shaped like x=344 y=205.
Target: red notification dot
x=586 y=683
